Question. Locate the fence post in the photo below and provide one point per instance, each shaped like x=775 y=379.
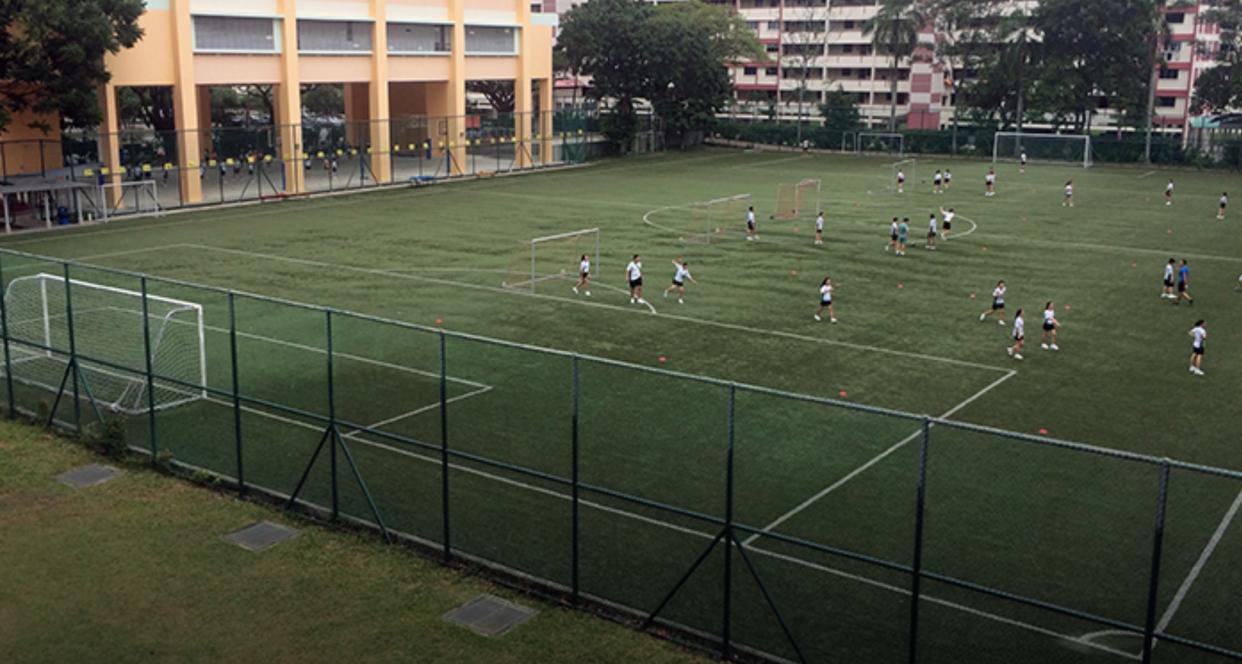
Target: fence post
x=573 y=440
x=8 y=359
x=916 y=574
x=327 y=321
x=1162 y=499
x=73 y=355
x=444 y=455
x=237 y=411
x=726 y=636
x=146 y=345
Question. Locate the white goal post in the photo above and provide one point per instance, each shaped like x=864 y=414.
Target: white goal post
x=110 y=340
x=553 y=257
x=908 y=167
x=114 y=198
x=1065 y=148
x=875 y=141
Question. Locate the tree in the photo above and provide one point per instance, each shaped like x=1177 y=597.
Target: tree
x=1220 y=87
x=840 y=112
x=499 y=93
x=998 y=41
x=805 y=33
x=52 y=55
x=147 y=107
x=896 y=28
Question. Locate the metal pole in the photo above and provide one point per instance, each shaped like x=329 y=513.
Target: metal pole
x=1162 y=499
x=573 y=442
x=726 y=637
x=8 y=358
x=327 y=321
x=146 y=344
x=237 y=411
x=73 y=354
x=916 y=573
x=444 y=455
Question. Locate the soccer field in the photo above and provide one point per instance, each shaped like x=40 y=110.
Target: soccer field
x=821 y=494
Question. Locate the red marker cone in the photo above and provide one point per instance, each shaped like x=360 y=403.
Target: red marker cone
x=901 y=284
x=972 y=296
x=1043 y=431
x=843 y=394
x=439 y=321
x=1067 y=307
x=662 y=359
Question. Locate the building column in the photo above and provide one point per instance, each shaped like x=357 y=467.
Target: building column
x=547 y=151
x=380 y=134
x=522 y=108
x=455 y=101
x=187 y=108
x=289 y=101
x=110 y=144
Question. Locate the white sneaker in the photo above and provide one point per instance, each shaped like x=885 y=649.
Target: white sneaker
x=983 y=316
x=575 y=290
x=817 y=318
x=666 y=294
x=587 y=293
x=833 y=320
x=1010 y=351
x=1168 y=202
x=1054 y=347
x=750 y=238
x=642 y=301
x=1192 y=369
x=1000 y=322
x=1044 y=346
x=633 y=301
x=1017 y=356
x=680 y=301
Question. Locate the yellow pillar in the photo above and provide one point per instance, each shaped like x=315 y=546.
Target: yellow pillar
x=455 y=102
x=110 y=142
x=186 y=107
x=521 y=90
x=289 y=100
x=546 y=149
x=380 y=135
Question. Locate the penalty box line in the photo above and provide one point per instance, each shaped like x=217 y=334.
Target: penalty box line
x=360 y=437
x=873 y=461
x=599 y=305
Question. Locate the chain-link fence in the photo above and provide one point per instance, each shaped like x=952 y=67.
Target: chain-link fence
x=755 y=520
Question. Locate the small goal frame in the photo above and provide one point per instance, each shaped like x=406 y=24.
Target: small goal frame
x=535 y=277
x=1024 y=138
x=912 y=173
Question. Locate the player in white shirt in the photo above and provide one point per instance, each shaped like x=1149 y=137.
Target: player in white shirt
x=1022 y=162
x=1169 y=270
x=936 y=179
x=634 y=274
x=901 y=181
x=998 y=304
x=1049 y=339
x=1168 y=192
x=948 y=178
x=825 y=300
x=752 y=230
x=1199 y=334
x=1224 y=202
x=989 y=183
x=1069 y=194
x=931 y=232
x=892 y=235
x=680 y=276
x=1019 y=335
x=584 y=275
x=946 y=226
x=819 y=229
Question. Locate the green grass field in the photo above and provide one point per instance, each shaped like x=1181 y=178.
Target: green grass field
x=1059 y=526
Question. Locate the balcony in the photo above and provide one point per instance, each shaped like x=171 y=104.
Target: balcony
x=856 y=13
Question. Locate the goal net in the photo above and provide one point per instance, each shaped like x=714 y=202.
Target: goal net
x=109 y=337
x=117 y=198
x=907 y=167
x=709 y=220
x=554 y=257
x=1064 y=148
x=883 y=142
x=793 y=200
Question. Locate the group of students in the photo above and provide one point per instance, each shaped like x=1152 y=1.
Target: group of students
x=941 y=181
x=634 y=276
x=1047 y=341
x=899 y=232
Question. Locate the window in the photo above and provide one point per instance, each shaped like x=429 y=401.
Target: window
x=774 y=25
x=334 y=36
x=220 y=33
x=749 y=71
x=1173 y=18
x=1168 y=74
x=419 y=38
x=770 y=71
x=483 y=40
x=1166 y=102
x=772 y=48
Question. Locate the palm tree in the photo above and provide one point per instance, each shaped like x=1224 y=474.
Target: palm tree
x=896 y=27
x=1014 y=31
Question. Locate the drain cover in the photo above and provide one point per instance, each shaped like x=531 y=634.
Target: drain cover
x=489 y=615
x=261 y=535
x=89 y=475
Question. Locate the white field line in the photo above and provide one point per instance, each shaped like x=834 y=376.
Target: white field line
x=419 y=411
x=1147 y=174
x=602 y=305
x=973 y=226
x=1203 y=558
x=693 y=533
x=1091 y=637
x=873 y=461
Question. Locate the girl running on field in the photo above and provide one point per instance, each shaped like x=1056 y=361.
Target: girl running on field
x=1199 y=334
x=1224 y=202
x=1183 y=284
x=936 y=179
x=948 y=178
x=1069 y=194
x=752 y=231
x=1169 y=269
x=825 y=300
x=946 y=226
x=931 y=232
x=1168 y=192
x=819 y=229
x=1019 y=335
x=584 y=275
x=998 y=304
x=989 y=183
x=1049 y=339
x=901 y=181
x=892 y=236
x=634 y=274
x=679 y=280
x=903 y=233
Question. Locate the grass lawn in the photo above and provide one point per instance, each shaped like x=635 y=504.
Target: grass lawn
x=135 y=570
x=1059 y=526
